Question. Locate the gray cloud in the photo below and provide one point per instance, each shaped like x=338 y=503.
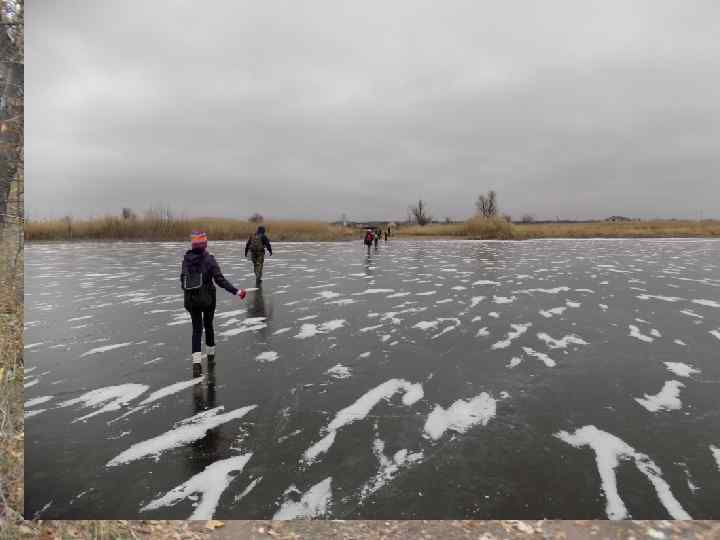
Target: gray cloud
x=308 y=110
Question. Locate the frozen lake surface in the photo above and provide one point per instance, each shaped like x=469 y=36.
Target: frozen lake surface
x=429 y=379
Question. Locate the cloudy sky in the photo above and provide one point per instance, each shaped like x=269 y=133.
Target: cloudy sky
x=576 y=109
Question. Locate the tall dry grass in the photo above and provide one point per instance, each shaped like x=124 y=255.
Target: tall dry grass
x=116 y=228
x=475 y=228
x=632 y=229
x=479 y=228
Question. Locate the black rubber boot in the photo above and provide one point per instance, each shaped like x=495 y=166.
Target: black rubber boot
x=197 y=370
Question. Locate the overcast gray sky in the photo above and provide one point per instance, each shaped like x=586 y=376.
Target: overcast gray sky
x=577 y=109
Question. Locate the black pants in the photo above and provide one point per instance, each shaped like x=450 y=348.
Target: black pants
x=202 y=319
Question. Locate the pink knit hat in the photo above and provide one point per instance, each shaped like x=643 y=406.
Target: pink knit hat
x=198 y=238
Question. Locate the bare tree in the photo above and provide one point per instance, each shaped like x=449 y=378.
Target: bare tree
x=528 y=218
x=128 y=213
x=487 y=205
x=420 y=213
x=256 y=218
x=507 y=217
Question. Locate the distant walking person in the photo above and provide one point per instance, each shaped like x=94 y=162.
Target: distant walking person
x=256 y=245
x=369 y=236
x=199 y=271
x=387 y=232
x=377 y=237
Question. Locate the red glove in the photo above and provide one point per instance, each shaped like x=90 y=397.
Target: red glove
x=241 y=293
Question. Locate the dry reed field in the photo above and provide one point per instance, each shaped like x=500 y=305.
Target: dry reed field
x=634 y=229
x=479 y=228
x=116 y=228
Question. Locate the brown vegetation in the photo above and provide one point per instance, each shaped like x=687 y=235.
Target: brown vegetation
x=155 y=227
x=632 y=229
x=481 y=228
x=476 y=228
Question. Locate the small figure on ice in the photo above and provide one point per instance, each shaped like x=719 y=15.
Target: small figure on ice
x=256 y=245
x=200 y=271
x=368 y=240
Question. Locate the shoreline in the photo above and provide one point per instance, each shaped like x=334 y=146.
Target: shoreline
x=395 y=239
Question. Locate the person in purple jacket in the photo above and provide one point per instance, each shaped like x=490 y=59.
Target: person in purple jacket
x=198 y=276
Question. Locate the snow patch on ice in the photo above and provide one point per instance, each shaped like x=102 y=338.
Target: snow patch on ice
x=561 y=343
x=460 y=416
x=309 y=330
x=184 y=432
x=554 y=311
x=514 y=361
x=708 y=303
x=544 y=358
x=667 y=399
x=249 y=324
x=389 y=467
x=209 y=484
x=608 y=450
x=658 y=297
x=314 y=503
x=170 y=389
x=106 y=348
x=716 y=454
x=361 y=408
x=680 y=369
x=374 y=291
x=37 y=401
x=338 y=371
x=114 y=397
x=635 y=332
x=519 y=330
x=267 y=356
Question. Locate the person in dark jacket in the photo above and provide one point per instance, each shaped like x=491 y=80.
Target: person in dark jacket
x=256 y=245
x=200 y=271
x=368 y=239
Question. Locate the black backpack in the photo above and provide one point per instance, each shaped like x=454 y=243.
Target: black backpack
x=197 y=293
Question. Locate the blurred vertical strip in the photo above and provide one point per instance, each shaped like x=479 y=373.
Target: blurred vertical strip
x=11 y=266
x=12 y=184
